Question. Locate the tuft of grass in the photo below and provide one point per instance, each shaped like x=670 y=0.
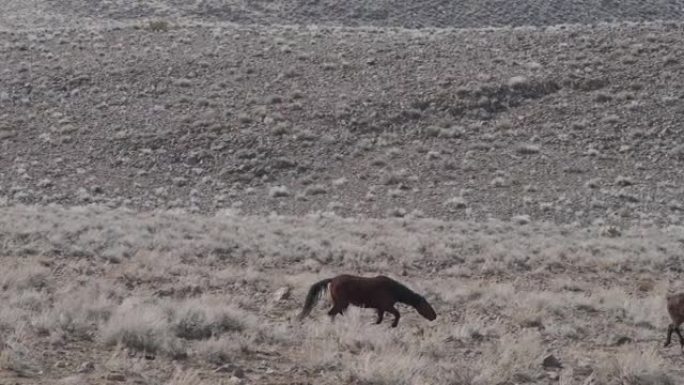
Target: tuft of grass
x=518 y=359
x=77 y=313
x=185 y=377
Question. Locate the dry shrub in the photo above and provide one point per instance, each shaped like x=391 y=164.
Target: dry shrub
x=77 y=312
x=158 y=26
x=633 y=367
x=185 y=377
x=24 y=277
x=141 y=325
x=16 y=357
x=224 y=349
x=512 y=358
x=390 y=366
x=202 y=318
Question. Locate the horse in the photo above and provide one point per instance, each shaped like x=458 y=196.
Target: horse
x=675 y=307
x=380 y=293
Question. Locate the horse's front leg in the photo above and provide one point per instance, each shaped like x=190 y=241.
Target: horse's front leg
x=681 y=339
x=670 y=330
x=396 y=315
x=381 y=313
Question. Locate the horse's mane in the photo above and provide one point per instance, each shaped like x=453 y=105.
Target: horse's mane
x=404 y=294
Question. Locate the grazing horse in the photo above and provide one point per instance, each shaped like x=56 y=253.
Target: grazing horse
x=675 y=307
x=379 y=293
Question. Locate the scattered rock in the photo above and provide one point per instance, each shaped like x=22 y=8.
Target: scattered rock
x=228 y=368
x=278 y=192
x=675 y=205
x=239 y=373
x=551 y=362
x=397 y=212
x=527 y=149
x=45 y=183
x=339 y=181
x=316 y=189
x=610 y=231
x=499 y=182
x=622 y=340
x=86 y=367
x=117 y=377
x=623 y=181
x=593 y=183
x=456 y=202
x=282 y=294
x=518 y=82
x=521 y=219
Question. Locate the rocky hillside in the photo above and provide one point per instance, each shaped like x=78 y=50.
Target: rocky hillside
x=560 y=124
x=402 y=13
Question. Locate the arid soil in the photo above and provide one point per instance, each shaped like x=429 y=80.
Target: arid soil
x=175 y=175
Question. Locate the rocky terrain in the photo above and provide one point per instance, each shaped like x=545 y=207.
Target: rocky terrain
x=384 y=13
x=562 y=124
x=175 y=175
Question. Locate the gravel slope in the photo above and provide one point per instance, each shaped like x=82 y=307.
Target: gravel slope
x=560 y=124
x=404 y=13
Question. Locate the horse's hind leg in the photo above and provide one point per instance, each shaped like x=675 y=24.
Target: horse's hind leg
x=337 y=309
x=333 y=312
x=670 y=330
x=396 y=315
x=381 y=313
x=681 y=339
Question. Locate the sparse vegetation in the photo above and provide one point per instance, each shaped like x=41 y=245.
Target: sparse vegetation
x=158 y=26
x=216 y=318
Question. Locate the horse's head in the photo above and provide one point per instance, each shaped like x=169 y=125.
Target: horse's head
x=424 y=309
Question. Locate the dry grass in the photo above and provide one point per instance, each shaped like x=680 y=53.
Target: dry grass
x=201 y=290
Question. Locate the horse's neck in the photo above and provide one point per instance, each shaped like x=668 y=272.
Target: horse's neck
x=405 y=295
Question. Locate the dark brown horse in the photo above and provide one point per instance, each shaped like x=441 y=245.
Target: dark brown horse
x=379 y=293
x=675 y=307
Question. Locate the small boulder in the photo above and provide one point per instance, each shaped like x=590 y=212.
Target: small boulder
x=278 y=192
x=521 y=219
x=116 y=377
x=622 y=340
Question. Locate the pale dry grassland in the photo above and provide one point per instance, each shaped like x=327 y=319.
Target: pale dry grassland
x=94 y=295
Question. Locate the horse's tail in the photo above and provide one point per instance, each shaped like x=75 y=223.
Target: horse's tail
x=313 y=296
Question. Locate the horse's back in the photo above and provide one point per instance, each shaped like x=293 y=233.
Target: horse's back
x=362 y=290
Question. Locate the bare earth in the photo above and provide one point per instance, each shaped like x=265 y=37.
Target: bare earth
x=175 y=175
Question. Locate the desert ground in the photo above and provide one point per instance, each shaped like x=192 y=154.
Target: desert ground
x=175 y=175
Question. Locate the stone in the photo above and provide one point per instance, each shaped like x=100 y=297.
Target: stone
x=86 y=367
x=118 y=377
x=282 y=294
x=551 y=362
